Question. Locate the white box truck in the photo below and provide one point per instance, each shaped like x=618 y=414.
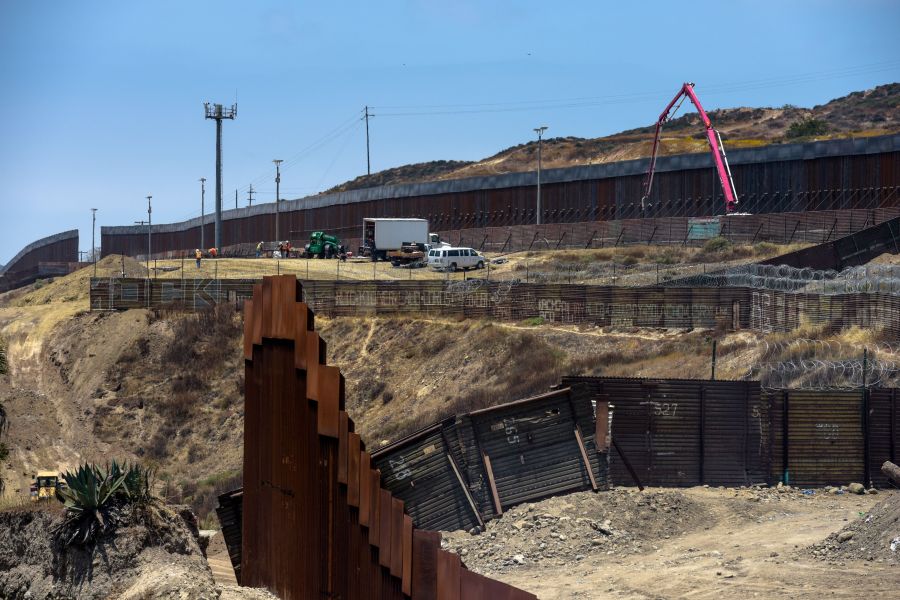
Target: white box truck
x=381 y=236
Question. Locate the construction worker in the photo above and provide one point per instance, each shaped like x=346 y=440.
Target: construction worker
x=259 y=249
x=198 y=255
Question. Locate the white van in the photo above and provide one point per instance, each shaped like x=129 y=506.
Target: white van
x=455 y=258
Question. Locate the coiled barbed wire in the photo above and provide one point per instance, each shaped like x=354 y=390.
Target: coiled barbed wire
x=807 y=347
x=883 y=279
x=811 y=364
x=819 y=374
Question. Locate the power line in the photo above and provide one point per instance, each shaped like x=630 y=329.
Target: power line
x=303 y=153
x=340 y=151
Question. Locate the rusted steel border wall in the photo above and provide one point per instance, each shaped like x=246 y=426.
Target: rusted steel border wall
x=469 y=469
x=230 y=512
x=684 y=432
x=778 y=228
x=678 y=432
x=814 y=227
x=833 y=437
x=854 y=249
x=316 y=522
x=507 y=300
x=51 y=256
x=766 y=311
x=774 y=311
x=798 y=178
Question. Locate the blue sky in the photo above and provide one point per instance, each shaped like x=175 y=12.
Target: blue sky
x=101 y=103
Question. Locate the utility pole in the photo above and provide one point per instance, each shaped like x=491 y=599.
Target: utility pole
x=540 y=131
x=235 y=198
x=277 y=162
x=149 y=234
x=93 y=231
x=217 y=112
x=368 y=161
x=250 y=194
x=202 y=210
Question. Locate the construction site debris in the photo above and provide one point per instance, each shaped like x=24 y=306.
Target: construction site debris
x=568 y=528
x=873 y=537
x=891 y=471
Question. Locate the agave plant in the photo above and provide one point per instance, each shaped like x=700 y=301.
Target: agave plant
x=93 y=494
x=138 y=483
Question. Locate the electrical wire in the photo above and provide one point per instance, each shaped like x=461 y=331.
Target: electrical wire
x=333 y=134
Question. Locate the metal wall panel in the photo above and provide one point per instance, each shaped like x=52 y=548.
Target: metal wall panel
x=681 y=432
x=807 y=181
x=53 y=255
x=849 y=251
x=315 y=520
x=230 y=512
x=818 y=437
x=533 y=447
x=883 y=432
x=524 y=450
x=421 y=470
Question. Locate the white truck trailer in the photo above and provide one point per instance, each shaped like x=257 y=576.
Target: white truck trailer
x=381 y=236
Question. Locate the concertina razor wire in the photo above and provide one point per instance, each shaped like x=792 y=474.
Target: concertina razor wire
x=809 y=364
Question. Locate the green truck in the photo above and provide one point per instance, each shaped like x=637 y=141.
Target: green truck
x=322 y=245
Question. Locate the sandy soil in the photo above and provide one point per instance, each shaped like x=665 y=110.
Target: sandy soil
x=742 y=550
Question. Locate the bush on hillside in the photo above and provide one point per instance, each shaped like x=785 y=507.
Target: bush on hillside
x=806 y=127
x=716 y=245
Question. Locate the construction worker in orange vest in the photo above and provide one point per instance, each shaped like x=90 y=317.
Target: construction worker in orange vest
x=198 y=255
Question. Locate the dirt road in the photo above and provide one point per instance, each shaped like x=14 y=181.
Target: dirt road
x=740 y=547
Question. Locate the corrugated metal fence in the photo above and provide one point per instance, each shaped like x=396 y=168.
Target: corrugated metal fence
x=765 y=311
x=316 y=521
x=848 y=251
x=777 y=228
x=461 y=472
x=675 y=432
x=683 y=432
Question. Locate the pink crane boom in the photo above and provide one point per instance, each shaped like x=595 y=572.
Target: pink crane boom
x=715 y=145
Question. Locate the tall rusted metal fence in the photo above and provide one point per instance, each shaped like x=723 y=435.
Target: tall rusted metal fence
x=777 y=228
x=762 y=310
x=316 y=521
x=678 y=432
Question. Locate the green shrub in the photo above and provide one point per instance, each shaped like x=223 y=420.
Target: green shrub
x=533 y=321
x=716 y=245
x=95 y=496
x=806 y=127
x=4 y=366
x=765 y=248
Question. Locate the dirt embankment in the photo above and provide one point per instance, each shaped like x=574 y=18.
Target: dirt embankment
x=697 y=542
x=167 y=388
x=155 y=555
x=874 y=537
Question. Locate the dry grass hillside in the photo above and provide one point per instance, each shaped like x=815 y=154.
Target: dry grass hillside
x=166 y=388
x=865 y=113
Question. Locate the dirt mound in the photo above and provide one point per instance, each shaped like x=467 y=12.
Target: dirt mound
x=570 y=528
x=874 y=536
x=151 y=554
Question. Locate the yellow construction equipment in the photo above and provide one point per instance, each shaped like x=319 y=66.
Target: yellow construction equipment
x=45 y=485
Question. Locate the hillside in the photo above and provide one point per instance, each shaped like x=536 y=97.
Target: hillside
x=865 y=113
x=166 y=387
